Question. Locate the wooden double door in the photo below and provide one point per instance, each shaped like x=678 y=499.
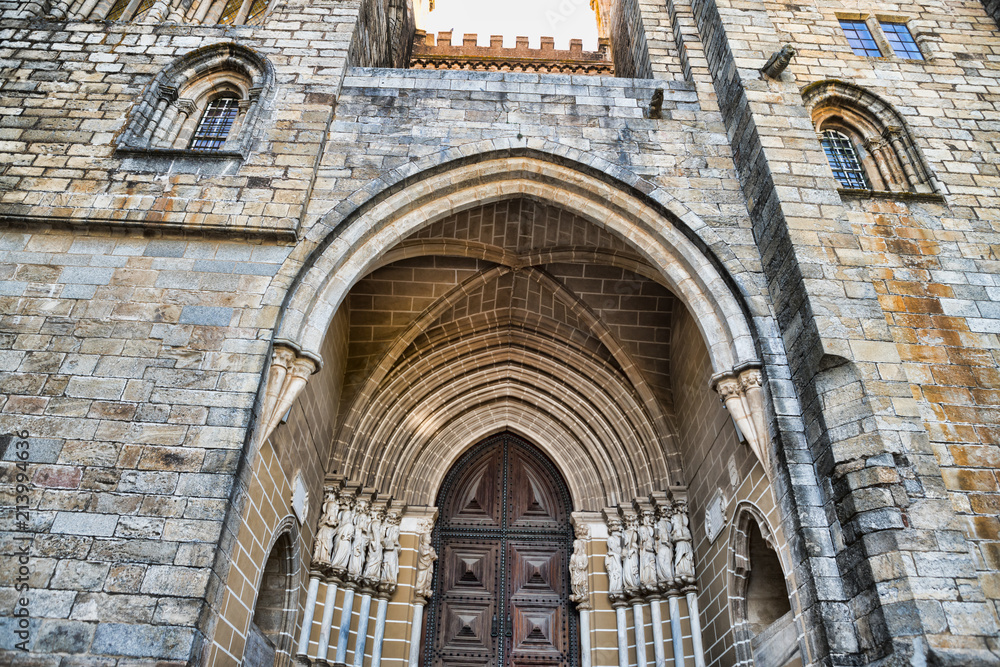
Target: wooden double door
x=501 y=590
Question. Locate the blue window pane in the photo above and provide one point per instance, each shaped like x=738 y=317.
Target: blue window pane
x=844 y=161
x=860 y=38
x=215 y=124
x=901 y=40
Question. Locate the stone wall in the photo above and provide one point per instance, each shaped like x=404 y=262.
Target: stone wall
x=826 y=297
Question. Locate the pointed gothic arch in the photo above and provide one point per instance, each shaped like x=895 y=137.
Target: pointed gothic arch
x=660 y=229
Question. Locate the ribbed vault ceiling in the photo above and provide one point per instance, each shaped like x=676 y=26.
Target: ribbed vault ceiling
x=514 y=315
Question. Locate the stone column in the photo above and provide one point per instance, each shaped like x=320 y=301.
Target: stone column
x=343 y=632
x=383 y=608
x=302 y=650
x=165 y=96
x=329 y=603
x=415 y=628
x=656 y=619
x=699 y=651
x=621 y=623
x=640 y=632
x=174 y=136
x=584 y=636
x=676 y=635
x=364 y=613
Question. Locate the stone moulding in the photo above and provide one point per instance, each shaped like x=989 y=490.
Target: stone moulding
x=868 y=120
x=102 y=224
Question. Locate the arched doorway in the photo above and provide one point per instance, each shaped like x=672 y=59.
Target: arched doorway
x=501 y=591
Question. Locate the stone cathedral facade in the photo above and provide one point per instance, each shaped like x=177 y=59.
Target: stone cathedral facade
x=328 y=341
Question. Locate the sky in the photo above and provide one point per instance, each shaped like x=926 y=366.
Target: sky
x=561 y=19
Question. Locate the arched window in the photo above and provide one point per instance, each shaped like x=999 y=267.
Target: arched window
x=215 y=124
x=844 y=160
x=248 y=12
x=129 y=10
x=207 y=102
x=763 y=622
x=866 y=141
x=269 y=637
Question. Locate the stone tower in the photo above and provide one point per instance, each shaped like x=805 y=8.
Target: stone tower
x=325 y=340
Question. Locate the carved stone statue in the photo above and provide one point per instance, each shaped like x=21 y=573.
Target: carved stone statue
x=664 y=552
x=373 y=559
x=425 y=565
x=327 y=529
x=579 y=565
x=342 y=542
x=359 y=546
x=390 y=550
x=683 y=553
x=630 y=557
x=613 y=562
x=647 y=552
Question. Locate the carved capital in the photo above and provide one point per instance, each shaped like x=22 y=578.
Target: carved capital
x=728 y=387
x=286 y=379
x=185 y=106
x=168 y=93
x=742 y=395
x=750 y=379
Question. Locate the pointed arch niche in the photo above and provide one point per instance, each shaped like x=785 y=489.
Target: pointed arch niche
x=518 y=293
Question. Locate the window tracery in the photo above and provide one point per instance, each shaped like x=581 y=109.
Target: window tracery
x=866 y=141
x=207 y=102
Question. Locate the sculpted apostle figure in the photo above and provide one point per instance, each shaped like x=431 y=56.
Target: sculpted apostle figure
x=664 y=552
x=342 y=541
x=327 y=530
x=425 y=565
x=683 y=553
x=579 y=564
x=647 y=552
x=359 y=546
x=630 y=556
x=390 y=549
x=613 y=561
x=373 y=560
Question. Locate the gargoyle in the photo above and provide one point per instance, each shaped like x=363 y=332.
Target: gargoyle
x=656 y=104
x=778 y=61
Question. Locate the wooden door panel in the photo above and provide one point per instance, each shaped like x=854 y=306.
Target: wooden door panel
x=465 y=629
x=532 y=498
x=539 y=635
x=536 y=570
x=501 y=591
x=476 y=502
x=469 y=569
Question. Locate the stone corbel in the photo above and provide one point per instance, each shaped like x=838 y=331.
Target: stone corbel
x=743 y=397
x=286 y=379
